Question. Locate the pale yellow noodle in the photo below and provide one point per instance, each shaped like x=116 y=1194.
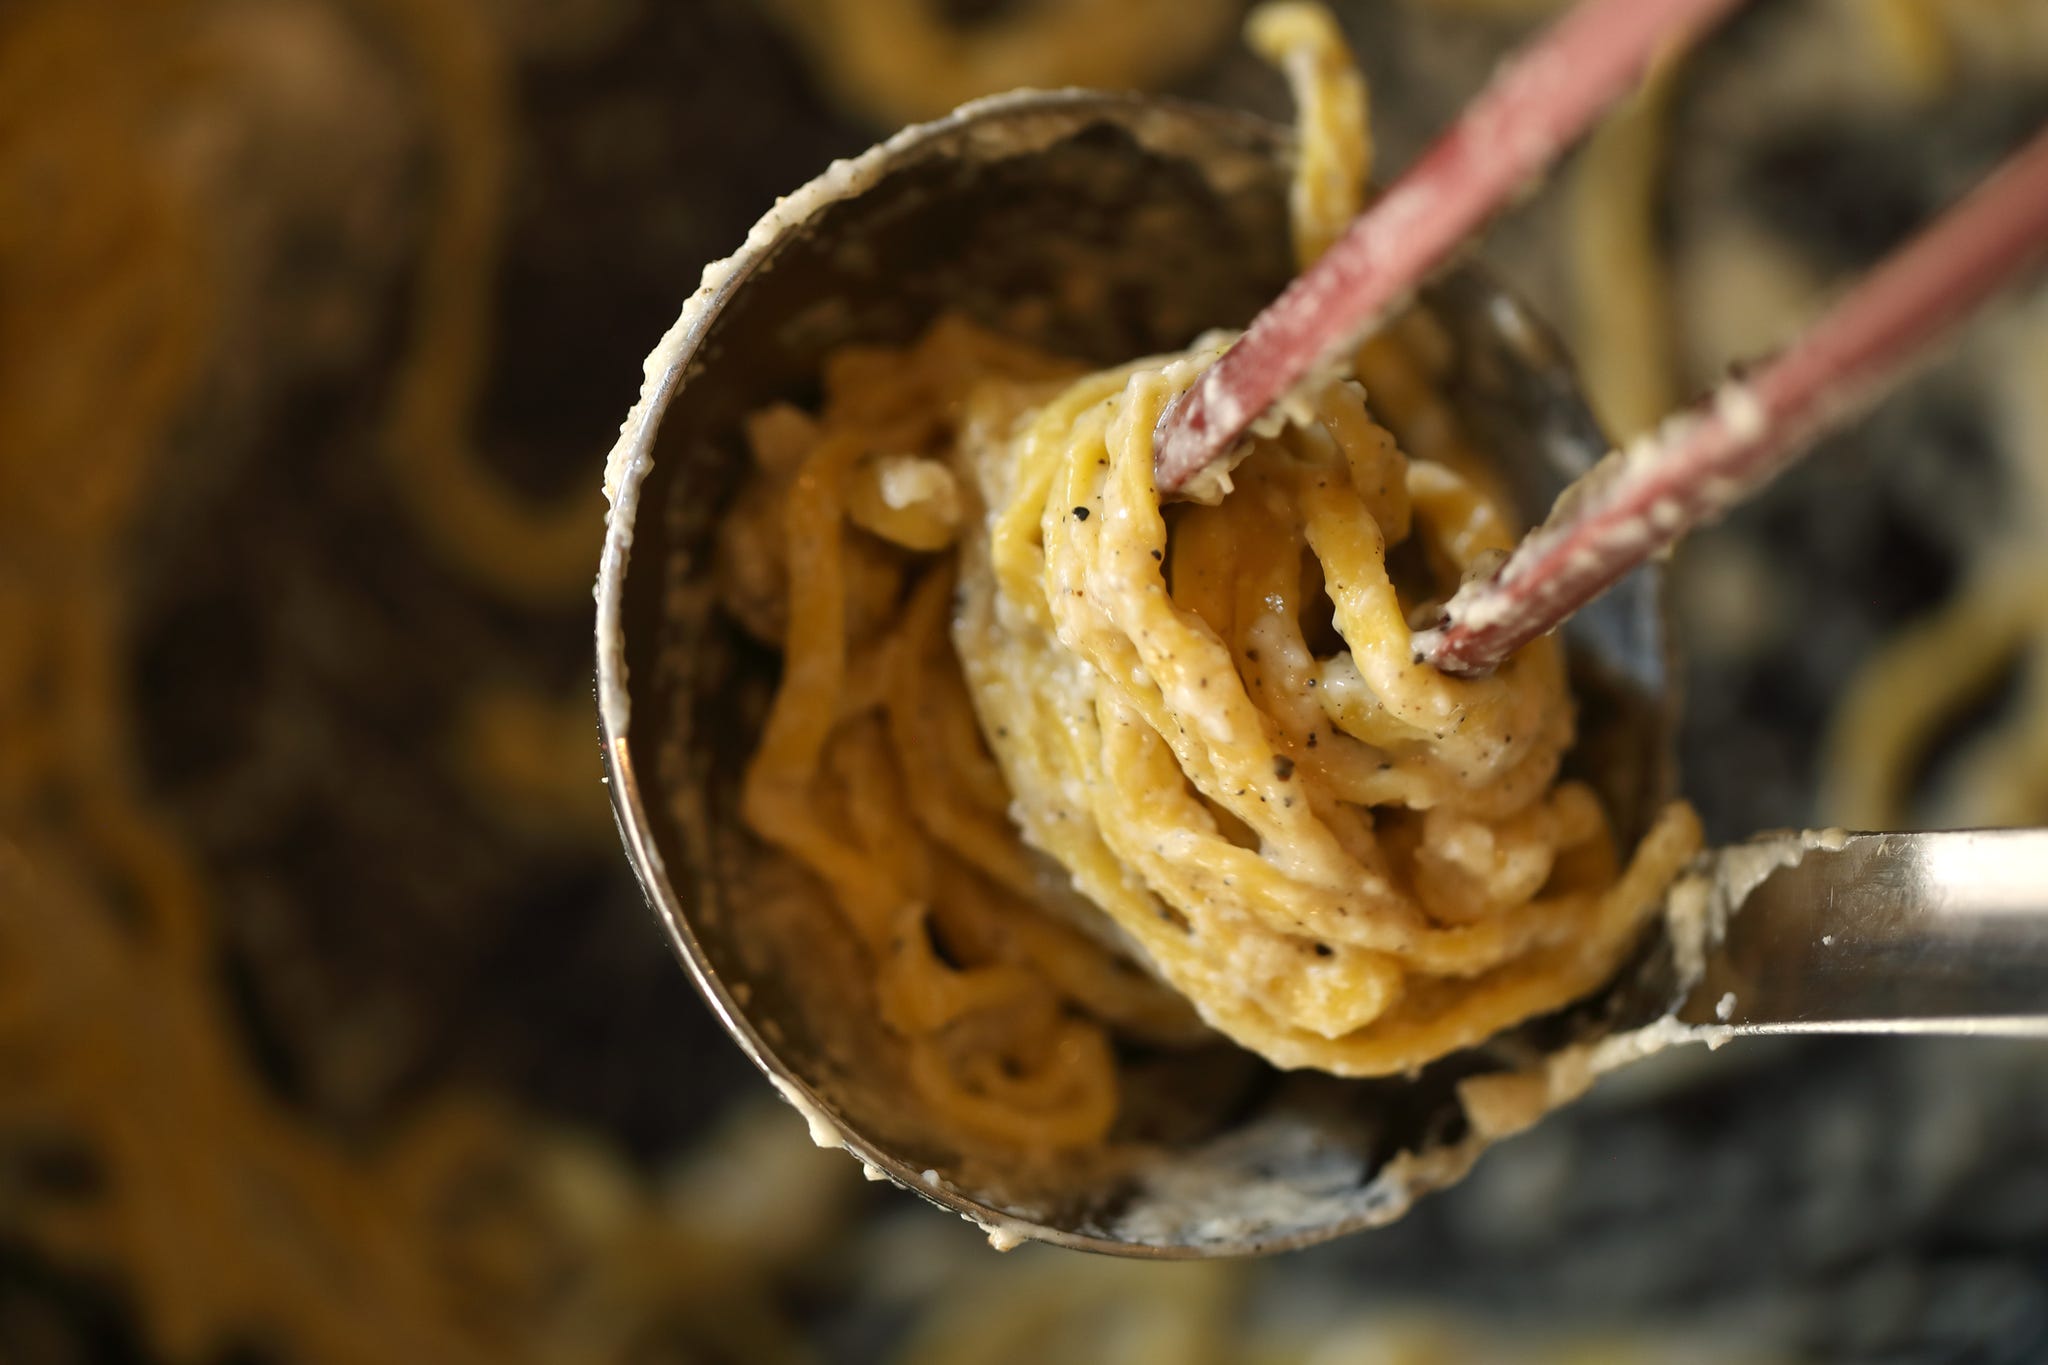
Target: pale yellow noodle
x=1923 y=680
x=1624 y=324
x=1334 y=149
x=1910 y=36
x=217 y=1215
x=898 y=61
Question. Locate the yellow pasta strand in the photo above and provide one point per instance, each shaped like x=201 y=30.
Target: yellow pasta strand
x=902 y=60
x=1335 y=143
x=1624 y=323
x=1922 y=680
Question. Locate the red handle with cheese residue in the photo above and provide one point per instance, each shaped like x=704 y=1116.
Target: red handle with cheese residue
x=1701 y=461
x=1537 y=105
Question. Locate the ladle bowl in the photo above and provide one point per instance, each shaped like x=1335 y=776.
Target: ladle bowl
x=1101 y=227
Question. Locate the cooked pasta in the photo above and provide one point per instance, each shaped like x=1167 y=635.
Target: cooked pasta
x=901 y=60
x=232 y=1224
x=1924 y=680
x=1623 y=323
x=1208 y=715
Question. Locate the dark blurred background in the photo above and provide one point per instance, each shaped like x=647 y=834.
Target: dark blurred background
x=332 y=1026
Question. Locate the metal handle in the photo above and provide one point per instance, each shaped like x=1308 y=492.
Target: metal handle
x=1882 y=933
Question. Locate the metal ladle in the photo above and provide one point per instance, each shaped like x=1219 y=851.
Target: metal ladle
x=1100 y=227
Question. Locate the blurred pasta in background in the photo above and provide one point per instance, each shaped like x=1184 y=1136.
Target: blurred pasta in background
x=332 y=1029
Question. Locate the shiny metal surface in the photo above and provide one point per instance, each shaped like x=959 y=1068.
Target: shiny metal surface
x=1943 y=933
x=1214 y=1152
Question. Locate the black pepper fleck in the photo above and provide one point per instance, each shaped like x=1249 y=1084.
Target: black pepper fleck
x=1080 y=514
x=1283 y=767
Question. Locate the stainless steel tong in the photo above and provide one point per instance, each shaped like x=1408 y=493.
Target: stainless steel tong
x=1939 y=933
